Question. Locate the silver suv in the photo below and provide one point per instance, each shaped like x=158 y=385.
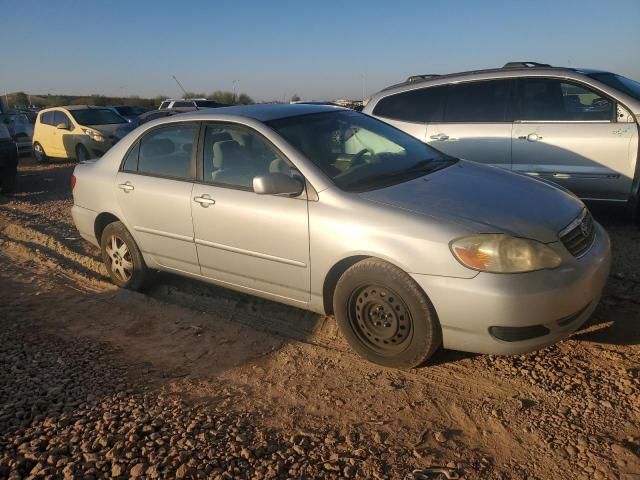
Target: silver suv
x=575 y=127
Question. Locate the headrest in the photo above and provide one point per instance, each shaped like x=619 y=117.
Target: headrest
x=225 y=151
x=159 y=146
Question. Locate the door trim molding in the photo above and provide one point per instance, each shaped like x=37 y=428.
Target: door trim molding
x=250 y=253
x=161 y=233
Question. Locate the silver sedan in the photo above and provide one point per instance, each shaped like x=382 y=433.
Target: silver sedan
x=336 y=212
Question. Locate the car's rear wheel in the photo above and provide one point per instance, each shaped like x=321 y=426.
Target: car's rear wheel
x=122 y=257
x=385 y=316
x=82 y=154
x=38 y=153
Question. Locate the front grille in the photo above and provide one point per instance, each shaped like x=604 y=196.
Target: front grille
x=579 y=235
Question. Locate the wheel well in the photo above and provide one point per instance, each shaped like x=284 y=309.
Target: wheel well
x=331 y=280
x=102 y=221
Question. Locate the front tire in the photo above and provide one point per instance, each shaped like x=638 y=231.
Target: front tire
x=122 y=257
x=385 y=316
x=82 y=154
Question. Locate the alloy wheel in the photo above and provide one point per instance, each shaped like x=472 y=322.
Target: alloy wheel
x=38 y=152
x=120 y=261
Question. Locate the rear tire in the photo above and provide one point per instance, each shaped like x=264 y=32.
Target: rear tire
x=38 y=153
x=122 y=257
x=385 y=316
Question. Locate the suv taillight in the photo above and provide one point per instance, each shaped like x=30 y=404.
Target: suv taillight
x=73 y=182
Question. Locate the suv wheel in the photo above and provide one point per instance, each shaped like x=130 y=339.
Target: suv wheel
x=385 y=316
x=122 y=257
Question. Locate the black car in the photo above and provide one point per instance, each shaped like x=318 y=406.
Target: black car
x=8 y=161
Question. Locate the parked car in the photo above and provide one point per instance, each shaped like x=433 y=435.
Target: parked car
x=8 y=161
x=77 y=132
x=333 y=211
x=20 y=129
x=575 y=127
x=189 y=104
x=174 y=106
x=130 y=112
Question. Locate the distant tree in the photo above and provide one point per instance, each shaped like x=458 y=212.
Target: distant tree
x=244 y=99
x=230 y=99
x=194 y=95
x=295 y=98
x=20 y=99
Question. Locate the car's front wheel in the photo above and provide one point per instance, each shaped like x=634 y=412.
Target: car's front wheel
x=82 y=154
x=122 y=257
x=385 y=316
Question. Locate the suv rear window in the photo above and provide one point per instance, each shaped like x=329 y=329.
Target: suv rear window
x=182 y=104
x=421 y=105
x=478 y=102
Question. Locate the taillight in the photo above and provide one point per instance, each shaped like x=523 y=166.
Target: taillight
x=73 y=182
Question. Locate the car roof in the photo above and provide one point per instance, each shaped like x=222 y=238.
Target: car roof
x=513 y=69
x=265 y=112
x=74 y=107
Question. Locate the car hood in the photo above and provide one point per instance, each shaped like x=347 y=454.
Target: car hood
x=486 y=199
x=117 y=130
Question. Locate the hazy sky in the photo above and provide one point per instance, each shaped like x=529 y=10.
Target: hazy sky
x=317 y=49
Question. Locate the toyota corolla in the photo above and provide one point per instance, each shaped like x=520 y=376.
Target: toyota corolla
x=336 y=212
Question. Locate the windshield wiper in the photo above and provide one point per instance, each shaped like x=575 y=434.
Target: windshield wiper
x=423 y=167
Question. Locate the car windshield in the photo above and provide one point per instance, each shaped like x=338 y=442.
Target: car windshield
x=97 y=116
x=625 y=85
x=357 y=152
x=125 y=110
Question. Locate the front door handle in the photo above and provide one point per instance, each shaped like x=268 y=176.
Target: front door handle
x=204 y=200
x=532 y=137
x=126 y=186
x=440 y=136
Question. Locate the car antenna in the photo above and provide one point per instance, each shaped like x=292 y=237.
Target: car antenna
x=180 y=85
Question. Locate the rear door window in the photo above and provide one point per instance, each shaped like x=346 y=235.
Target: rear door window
x=422 y=105
x=167 y=151
x=182 y=104
x=549 y=99
x=482 y=102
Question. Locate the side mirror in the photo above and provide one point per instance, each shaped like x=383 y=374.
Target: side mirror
x=277 y=184
x=62 y=126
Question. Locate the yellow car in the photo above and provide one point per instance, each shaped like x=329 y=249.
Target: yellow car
x=77 y=132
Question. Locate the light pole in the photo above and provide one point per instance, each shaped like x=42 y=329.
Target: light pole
x=235 y=84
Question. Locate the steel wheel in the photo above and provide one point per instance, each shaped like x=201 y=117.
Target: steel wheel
x=380 y=319
x=120 y=260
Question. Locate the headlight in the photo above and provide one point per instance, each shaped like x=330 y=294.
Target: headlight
x=95 y=136
x=499 y=253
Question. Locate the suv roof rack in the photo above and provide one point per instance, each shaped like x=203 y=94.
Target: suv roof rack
x=417 y=78
x=525 y=64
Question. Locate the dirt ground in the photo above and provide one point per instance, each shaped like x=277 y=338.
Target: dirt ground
x=194 y=381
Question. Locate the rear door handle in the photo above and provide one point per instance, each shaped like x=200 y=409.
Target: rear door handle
x=127 y=187
x=204 y=200
x=440 y=136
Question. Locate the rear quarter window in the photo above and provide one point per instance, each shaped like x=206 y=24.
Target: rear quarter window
x=420 y=105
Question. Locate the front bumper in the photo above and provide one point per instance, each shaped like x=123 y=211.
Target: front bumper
x=560 y=300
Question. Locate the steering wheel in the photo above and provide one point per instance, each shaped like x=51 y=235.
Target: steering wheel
x=358 y=159
x=600 y=103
